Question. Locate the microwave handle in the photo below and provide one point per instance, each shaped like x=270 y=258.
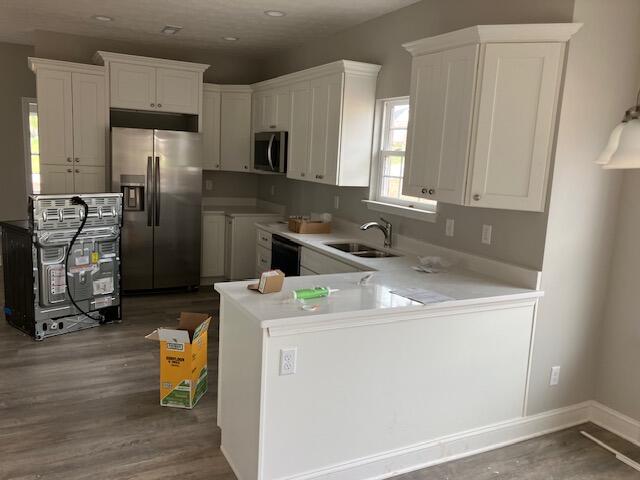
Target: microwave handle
x=269 y=148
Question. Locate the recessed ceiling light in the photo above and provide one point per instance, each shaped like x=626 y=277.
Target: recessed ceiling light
x=171 y=29
x=231 y=39
x=102 y=18
x=274 y=13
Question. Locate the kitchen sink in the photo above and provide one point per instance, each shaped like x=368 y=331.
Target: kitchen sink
x=360 y=250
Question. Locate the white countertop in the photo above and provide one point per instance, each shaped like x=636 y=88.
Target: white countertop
x=238 y=210
x=466 y=288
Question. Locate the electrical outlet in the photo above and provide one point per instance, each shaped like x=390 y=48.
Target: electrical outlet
x=336 y=202
x=288 y=357
x=273 y=190
x=554 y=378
x=449 y=226
x=208 y=185
x=486 y=234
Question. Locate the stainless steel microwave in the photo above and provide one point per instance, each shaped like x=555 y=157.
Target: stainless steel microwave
x=270 y=151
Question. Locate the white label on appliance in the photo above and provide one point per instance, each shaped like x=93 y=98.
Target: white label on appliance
x=82 y=260
x=57 y=282
x=103 y=302
x=103 y=286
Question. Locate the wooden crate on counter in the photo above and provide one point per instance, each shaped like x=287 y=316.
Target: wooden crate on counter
x=299 y=225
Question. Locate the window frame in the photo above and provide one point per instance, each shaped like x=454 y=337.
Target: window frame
x=26 y=136
x=376 y=201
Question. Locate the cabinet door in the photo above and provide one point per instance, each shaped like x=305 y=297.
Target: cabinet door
x=326 y=108
x=211 y=130
x=515 y=125
x=441 y=110
x=55 y=117
x=133 y=86
x=283 y=109
x=235 y=131
x=56 y=179
x=89 y=119
x=177 y=91
x=89 y=179
x=300 y=131
x=213 y=245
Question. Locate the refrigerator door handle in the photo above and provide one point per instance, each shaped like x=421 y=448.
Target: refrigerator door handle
x=156 y=192
x=149 y=199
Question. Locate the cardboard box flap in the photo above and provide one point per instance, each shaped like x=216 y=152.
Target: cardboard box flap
x=190 y=326
x=203 y=327
x=153 y=336
x=174 y=336
x=192 y=322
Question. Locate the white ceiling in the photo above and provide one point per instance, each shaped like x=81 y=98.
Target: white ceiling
x=204 y=21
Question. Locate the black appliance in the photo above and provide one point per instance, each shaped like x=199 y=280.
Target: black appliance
x=285 y=256
x=270 y=151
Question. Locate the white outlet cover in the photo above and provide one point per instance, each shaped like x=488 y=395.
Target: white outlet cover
x=449 y=227
x=288 y=360
x=273 y=189
x=486 y=234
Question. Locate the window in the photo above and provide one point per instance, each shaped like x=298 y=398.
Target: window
x=389 y=167
x=32 y=144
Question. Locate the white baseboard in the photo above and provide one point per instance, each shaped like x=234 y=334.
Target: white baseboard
x=445 y=449
x=616 y=422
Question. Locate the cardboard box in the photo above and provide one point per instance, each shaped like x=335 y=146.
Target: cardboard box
x=183 y=360
x=299 y=225
x=270 y=282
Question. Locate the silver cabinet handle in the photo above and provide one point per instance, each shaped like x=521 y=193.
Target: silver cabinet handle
x=77 y=170
x=246 y=167
x=69 y=170
x=68 y=159
x=431 y=191
x=159 y=105
x=77 y=159
x=424 y=191
x=320 y=177
x=272 y=126
x=302 y=174
x=476 y=197
x=217 y=165
x=153 y=104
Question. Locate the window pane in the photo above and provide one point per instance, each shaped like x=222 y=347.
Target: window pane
x=35 y=163
x=393 y=166
x=397 y=140
x=391 y=187
x=400 y=116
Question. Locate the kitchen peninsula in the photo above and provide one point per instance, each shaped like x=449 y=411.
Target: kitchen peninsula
x=374 y=382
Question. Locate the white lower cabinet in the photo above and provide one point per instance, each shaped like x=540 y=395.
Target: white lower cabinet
x=241 y=234
x=89 y=179
x=213 y=245
x=319 y=264
x=56 y=179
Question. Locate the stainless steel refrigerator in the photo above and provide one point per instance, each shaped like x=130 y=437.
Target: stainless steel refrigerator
x=160 y=174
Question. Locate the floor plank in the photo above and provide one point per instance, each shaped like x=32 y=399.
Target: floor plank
x=85 y=406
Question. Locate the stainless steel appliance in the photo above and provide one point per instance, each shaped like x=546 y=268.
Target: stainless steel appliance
x=160 y=175
x=270 y=151
x=285 y=255
x=38 y=279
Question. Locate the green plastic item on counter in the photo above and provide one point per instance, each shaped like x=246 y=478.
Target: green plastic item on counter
x=310 y=293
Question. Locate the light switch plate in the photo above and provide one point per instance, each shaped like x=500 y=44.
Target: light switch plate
x=449 y=227
x=554 y=378
x=486 y=234
x=336 y=202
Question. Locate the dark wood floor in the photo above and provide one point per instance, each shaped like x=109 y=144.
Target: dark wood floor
x=85 y=406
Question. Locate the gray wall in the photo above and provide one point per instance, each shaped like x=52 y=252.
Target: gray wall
x=603 y=73
x=16 y=81
x=225 y=68
x=517 y=237
x=230 y=184
x=618 y=379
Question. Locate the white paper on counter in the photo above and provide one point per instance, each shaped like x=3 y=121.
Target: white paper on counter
x=421 y=295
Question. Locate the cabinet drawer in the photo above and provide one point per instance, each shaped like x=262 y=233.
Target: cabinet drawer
x=263 y=259
x=264 y=239
x=321 y=264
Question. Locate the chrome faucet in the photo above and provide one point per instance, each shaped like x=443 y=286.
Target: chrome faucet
x=387 y=229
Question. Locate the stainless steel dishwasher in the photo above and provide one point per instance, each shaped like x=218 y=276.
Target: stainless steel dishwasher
x=285 y=255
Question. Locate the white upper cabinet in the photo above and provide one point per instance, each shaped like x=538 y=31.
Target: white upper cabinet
x=72 y=126
x=178 y=90
x=271 y=110
x=441 y=109
x=483 y=106
x=142 y=83
x=132 y=86
x=329 y=117
x=235 y=128
x=211 y=127
x=515 y=125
